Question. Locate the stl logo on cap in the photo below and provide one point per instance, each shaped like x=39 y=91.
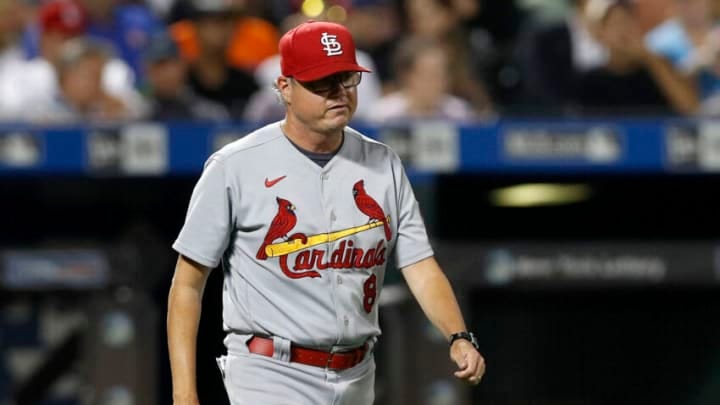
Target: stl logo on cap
x=316 y=49
x=332 y=46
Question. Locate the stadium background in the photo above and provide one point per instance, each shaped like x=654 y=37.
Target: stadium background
x=584 y=250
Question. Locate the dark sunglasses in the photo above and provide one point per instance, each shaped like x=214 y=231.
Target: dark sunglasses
x=346 y=79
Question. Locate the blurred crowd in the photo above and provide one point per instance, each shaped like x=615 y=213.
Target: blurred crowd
x=90 y=61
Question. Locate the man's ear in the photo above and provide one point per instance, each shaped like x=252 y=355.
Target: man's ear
x=284 y=86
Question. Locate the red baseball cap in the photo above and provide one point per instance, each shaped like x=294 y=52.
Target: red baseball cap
x=64 y=16
x=316 y=49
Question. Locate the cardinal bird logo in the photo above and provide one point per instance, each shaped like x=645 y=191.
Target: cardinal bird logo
x=368 y=206
x=283 y=223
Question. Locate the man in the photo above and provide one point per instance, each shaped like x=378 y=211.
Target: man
x=263 y=106
x=210 y=75
x=552 y=58
x=169 y=94
x=303 y=214
x=81 y=96
x=633 y=80
x=422 y=67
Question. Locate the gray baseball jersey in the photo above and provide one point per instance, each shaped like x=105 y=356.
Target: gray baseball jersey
x=304 y=248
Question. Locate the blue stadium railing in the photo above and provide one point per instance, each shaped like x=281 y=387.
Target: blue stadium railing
x=553 y=146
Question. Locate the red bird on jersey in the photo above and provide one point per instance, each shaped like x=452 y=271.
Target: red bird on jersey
x=368 y=206
x=283 y=222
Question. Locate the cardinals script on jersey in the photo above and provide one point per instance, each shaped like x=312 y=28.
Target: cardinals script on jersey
x=345 y=256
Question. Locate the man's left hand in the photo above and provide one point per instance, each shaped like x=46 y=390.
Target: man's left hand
x=471 y=364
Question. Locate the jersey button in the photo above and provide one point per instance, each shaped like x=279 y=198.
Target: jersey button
x=325 y=177
x=333 y=217
x=346 y=321
x=339 y=280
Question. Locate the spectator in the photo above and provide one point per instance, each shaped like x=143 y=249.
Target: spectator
x=170 y=96
x=552 y=56
x=126 y=26
x=81 y=96
x=422 y=69
x=685 y=40
x=492 y=28
x=651 y=13
x=439 y=21
x=59 y=21
x=686 y=28
x=252 y=40
x=376 y=26
x=211 y=76
x=14 y=15
x=28 y=82
x=633 y=80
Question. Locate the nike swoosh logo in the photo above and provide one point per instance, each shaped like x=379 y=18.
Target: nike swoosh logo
x=270 y=183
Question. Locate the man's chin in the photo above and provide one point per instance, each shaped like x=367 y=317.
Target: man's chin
x=338 y=121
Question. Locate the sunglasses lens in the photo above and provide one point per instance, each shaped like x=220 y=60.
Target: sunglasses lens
x=346 y=79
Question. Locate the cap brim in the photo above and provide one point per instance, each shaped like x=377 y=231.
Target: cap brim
x=318 y=72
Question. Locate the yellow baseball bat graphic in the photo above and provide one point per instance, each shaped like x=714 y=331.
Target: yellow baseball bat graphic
x=284 y=248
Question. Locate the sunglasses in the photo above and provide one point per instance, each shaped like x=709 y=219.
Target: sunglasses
x=326 y=84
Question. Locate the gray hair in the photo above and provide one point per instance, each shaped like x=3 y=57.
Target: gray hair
x=278 y=93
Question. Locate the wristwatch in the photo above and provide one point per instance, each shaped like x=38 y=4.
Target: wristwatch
x=469 y=336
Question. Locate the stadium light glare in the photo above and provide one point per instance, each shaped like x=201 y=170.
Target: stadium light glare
x=539 y=194
x=313 y=8
x=337 y=14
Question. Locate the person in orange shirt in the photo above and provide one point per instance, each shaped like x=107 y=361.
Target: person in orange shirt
x=253 y=40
